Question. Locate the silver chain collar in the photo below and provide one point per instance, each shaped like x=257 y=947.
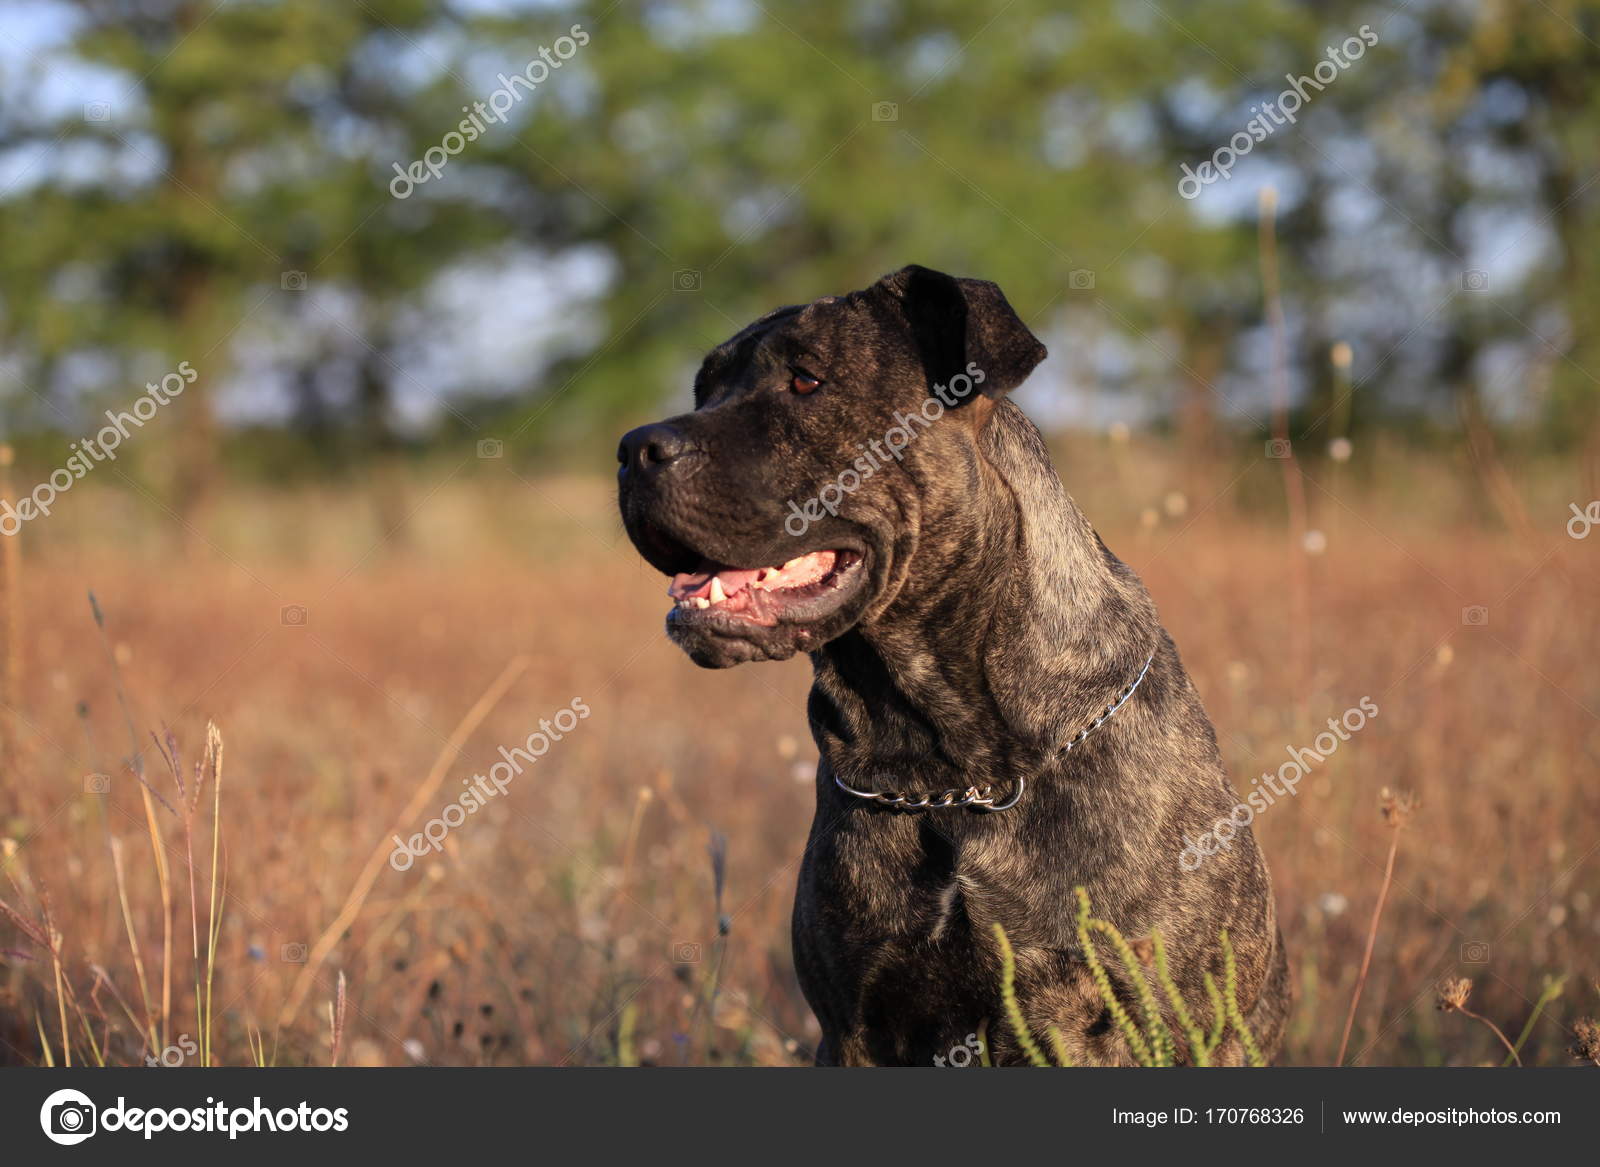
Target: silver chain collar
x=972 y=796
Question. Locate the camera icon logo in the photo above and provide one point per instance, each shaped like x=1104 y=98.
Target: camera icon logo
x=1081 y=280
x=491 y=448
x=293 y=281
x=293 y=616
x=97 y=111
x=97 y=784
x=686 y=280
x=885 y=111
x=1475 y=281
x=1278 y=448
x=686 y=952
x=1475 y=616
x=68 y=1117
x=292 y=953
x=1475 y=952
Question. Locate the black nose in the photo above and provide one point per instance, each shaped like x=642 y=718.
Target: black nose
x=652 y=447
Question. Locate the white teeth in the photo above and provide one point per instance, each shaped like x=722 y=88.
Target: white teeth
x=717 y=594
x=701 y=602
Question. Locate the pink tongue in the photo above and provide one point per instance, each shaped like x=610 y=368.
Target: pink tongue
x=796 y=573
x=735 y=579
x=690 y=583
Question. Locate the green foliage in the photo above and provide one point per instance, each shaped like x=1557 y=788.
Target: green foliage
x=1199 y=1047
x=1008 y=1000
x=784 y=151
x=1142 y=1049
x=1154 y=1045
x=1230 y=997
x=1553 y=987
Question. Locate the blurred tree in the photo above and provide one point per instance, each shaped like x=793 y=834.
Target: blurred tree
x=245 y=178
x=737 y=156
x=712 y=158
x=1524 y=79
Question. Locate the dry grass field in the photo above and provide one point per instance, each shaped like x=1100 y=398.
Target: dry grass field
x=627 y=898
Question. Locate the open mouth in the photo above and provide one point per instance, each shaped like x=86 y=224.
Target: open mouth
x=805 y=588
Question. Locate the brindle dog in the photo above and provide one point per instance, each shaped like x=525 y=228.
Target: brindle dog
x=965 y=625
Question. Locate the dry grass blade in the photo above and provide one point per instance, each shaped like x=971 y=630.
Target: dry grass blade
x=336 y=1021
x=1452 y=998
x=1397 y=810
x=133 y=941
x=213 y=766
x=103 y=978
x=157 y=844
x=24 y=925
x=379 y=857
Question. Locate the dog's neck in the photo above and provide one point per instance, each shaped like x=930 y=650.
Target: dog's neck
x=1008 y=616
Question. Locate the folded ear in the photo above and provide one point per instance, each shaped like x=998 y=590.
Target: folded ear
x=957 y=322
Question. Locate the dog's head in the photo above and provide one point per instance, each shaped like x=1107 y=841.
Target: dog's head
x=787 y=506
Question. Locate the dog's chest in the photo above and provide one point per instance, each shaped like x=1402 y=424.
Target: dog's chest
x=914 y=885
x=889 y=951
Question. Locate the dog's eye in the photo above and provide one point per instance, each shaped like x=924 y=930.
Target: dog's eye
x=803 y=382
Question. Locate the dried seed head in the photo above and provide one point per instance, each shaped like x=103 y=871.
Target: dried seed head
x=1587 y=1045
x=1453 y=993
x=1398 y=806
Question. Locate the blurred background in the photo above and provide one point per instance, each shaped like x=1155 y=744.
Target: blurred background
x=367 y=292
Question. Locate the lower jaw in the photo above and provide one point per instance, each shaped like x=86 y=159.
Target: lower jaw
x=743 y=623
x=719 y=639
x=754 y=608
x=736 y=611
x=715 y=620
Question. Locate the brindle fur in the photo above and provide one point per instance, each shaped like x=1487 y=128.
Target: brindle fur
x=993 y=627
